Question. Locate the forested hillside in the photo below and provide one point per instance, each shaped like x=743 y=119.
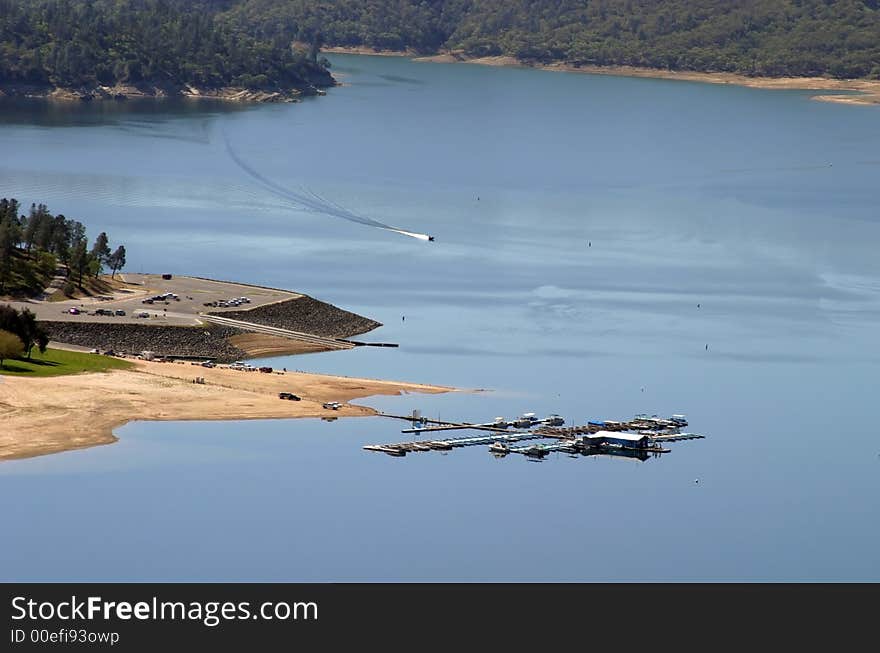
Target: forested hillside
x=247 y=43
x=88 y=43
x=753 y=37
x=33 y=245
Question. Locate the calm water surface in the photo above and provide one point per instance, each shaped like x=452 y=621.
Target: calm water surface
x=579 y=223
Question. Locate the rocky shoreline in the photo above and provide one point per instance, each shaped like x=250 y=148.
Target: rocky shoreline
x=306 y=315
x=122 y=92
x=208 y=341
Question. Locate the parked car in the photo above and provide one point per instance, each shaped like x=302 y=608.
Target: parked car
x=209 y=364
x=266 y=370
x=147 y=301
x=142 y=314
x=289 y=395
x=332 y=405
x=73 y=310
x=119 y=311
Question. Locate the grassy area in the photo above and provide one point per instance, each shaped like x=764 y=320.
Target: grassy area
x=56 y=362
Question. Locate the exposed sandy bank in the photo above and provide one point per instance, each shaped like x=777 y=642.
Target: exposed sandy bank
x=48 y=415
x=869 y=90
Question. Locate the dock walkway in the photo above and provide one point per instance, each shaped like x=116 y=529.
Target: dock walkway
x=568 y=439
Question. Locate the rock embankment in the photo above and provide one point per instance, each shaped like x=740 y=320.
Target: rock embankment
x=306 y=315
x=208 y=341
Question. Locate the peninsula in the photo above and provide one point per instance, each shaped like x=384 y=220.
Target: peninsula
x=169 y=361
x=48 y=415
x=82 y=353
x=103 y=49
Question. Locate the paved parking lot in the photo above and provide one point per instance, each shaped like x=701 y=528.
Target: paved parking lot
x=192 y=293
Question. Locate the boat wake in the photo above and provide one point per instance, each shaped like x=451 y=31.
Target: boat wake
x=311 y=201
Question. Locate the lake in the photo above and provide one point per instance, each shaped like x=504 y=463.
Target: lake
x=605 y=246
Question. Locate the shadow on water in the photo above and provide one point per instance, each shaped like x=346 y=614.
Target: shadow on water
x=403 y=80
x=148 y=111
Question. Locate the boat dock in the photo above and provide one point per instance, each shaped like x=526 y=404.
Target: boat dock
x=402 y=448
x=640 y=437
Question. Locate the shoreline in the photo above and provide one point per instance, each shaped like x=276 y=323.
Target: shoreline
x=41 y=416
x=868 y=90
x=274 y=322
x=122 y=93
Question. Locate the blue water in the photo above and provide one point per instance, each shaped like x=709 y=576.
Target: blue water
x=579 y=221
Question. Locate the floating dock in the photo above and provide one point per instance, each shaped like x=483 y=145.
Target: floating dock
x=640 y=437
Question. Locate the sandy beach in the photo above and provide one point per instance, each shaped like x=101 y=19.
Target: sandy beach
x=40 y=416
x=868 y=91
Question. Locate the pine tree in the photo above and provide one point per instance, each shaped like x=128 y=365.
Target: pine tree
x=100 y=252
x=79 y=260
x=117 y=260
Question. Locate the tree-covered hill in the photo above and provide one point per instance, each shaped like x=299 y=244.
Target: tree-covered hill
x=75 y=44
x=839 y=38
x=34 y=246
x=211 y=44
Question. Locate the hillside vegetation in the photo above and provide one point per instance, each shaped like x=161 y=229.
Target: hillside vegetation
x=752 y=37
x=212 y=44
x=37 y=246
x=73 y=44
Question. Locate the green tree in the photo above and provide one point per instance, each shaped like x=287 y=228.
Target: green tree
x=100 y=252
x=79 y=261
x=32 y=223
x=117 y=260
x=10 y=346
x=30 y=333
x=7 y=251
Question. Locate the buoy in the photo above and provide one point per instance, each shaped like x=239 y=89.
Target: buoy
x=696 y=480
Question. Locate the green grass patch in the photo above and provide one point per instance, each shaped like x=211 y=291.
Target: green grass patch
x=56 y=362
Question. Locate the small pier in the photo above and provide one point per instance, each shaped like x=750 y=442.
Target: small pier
x=641 y=437
x=402 y=448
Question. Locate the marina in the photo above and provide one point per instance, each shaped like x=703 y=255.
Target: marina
x=641 y=437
